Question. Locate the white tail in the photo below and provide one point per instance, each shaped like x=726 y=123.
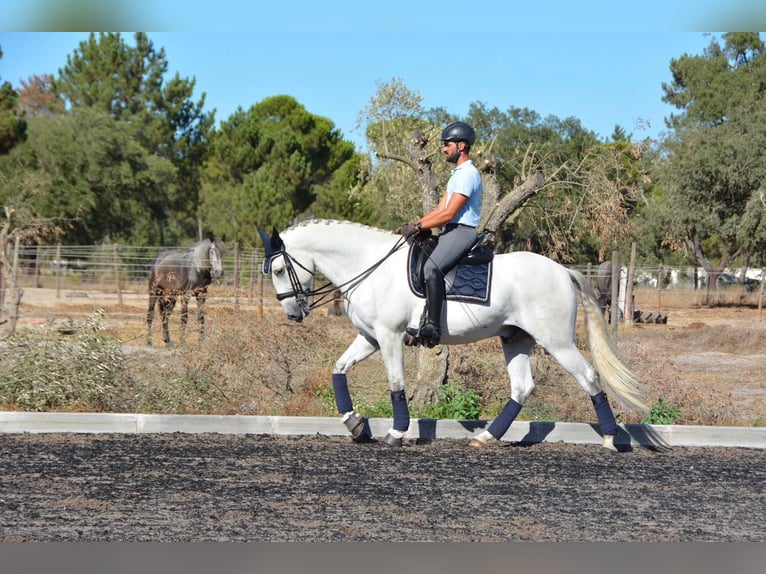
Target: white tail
x=614 y=376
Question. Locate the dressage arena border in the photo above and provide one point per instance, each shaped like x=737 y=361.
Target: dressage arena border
x=425 y=429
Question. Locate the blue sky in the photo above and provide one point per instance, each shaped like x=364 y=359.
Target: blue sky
x=601 y=78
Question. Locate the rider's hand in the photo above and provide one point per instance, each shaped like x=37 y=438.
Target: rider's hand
x=408 y=230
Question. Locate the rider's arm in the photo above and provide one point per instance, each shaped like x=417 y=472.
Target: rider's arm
x=444 y=212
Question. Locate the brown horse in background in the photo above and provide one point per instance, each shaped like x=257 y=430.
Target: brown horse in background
x=183 y=274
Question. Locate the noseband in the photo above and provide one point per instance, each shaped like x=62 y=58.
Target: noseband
x=301 y=295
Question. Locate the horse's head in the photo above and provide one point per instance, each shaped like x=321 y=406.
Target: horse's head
x=215 y=255
x=291 y=278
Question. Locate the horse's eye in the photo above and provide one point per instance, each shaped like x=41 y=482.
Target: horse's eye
x=278 y=272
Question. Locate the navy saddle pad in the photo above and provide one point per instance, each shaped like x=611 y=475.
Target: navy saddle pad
x=466 y=282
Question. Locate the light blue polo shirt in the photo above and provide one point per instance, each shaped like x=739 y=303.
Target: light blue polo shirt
x=466 y=180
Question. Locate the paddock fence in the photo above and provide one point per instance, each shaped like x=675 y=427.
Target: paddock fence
x=119 y=269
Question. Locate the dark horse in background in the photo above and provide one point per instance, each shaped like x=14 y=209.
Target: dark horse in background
x=183 y=274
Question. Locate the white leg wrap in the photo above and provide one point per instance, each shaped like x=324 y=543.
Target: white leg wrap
x=345 y=416
x=609 y=442
x=481 y=439
x=395 y=433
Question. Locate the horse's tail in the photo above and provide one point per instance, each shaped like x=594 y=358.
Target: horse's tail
x=616 y=378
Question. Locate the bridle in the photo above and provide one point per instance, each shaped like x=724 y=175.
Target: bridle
x=302 y=294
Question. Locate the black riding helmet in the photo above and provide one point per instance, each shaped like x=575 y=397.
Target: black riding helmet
x=459 y=132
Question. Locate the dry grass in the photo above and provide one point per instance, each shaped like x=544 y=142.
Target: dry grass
x=708 y=361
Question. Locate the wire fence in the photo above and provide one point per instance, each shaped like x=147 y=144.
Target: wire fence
x=114 y=268
x=118 y=268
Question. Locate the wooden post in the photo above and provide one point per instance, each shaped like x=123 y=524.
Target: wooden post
x=3 y=270
x=629 y=303
x=58 y=271
x=38 y=278
x=615 y=290
x=260 y=296
x=760 y=294
x=237 y=263
x=116 y=259
x=17 y=292
x=659 y=290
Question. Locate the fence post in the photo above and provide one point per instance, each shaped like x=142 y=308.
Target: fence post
x=615 y=290
x=659 y=289
x=760 y=295
x=3 y=270
x=237 y=264
x=58 y=271
x=260 y=296
x=629 y=303
x=38 y=279
x=116 y=258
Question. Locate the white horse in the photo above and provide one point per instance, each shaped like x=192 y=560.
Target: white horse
x=533 y=301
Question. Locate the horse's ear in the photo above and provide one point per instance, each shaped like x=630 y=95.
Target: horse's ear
x=272 y=244
x=266 y=239
x=276 y=240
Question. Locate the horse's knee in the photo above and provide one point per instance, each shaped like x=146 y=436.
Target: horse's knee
x=520 y=391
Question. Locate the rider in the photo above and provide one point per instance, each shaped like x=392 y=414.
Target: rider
x=458 y=213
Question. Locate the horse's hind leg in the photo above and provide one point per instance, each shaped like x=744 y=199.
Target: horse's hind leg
x=573 y=361
x=358 y=351
x=517 y=351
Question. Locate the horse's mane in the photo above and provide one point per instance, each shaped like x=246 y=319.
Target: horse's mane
x=201 y=251
x=336 y=222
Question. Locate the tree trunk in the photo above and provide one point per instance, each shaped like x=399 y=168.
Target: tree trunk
x=432 y=369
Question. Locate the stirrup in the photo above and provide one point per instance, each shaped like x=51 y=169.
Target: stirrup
x=432 y=335
x=414 y=337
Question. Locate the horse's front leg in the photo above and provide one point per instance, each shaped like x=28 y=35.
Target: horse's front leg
x=392 y=348
x=150 y=316
x=359 y=350
x=201 y=316
x=166 y=307
x=184 y=315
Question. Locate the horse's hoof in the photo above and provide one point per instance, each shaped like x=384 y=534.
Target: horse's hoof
x=476 y=443
x=608 y=443
x=355 y=425
x=390 y=440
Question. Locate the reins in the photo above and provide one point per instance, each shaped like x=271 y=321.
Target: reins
x=302 y=295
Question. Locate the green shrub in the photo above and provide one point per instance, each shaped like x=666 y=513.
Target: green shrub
x=662 y=413
x=46 y=370
x=455 y=402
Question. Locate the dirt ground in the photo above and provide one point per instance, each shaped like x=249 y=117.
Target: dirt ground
x=63 y=487
x=164 y=488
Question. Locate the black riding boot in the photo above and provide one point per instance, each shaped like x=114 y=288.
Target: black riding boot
x=431 y=332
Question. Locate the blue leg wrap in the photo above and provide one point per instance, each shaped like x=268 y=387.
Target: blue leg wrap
x=604 y=413
x=503 y=421
x=401 y=412
x=342 y=396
